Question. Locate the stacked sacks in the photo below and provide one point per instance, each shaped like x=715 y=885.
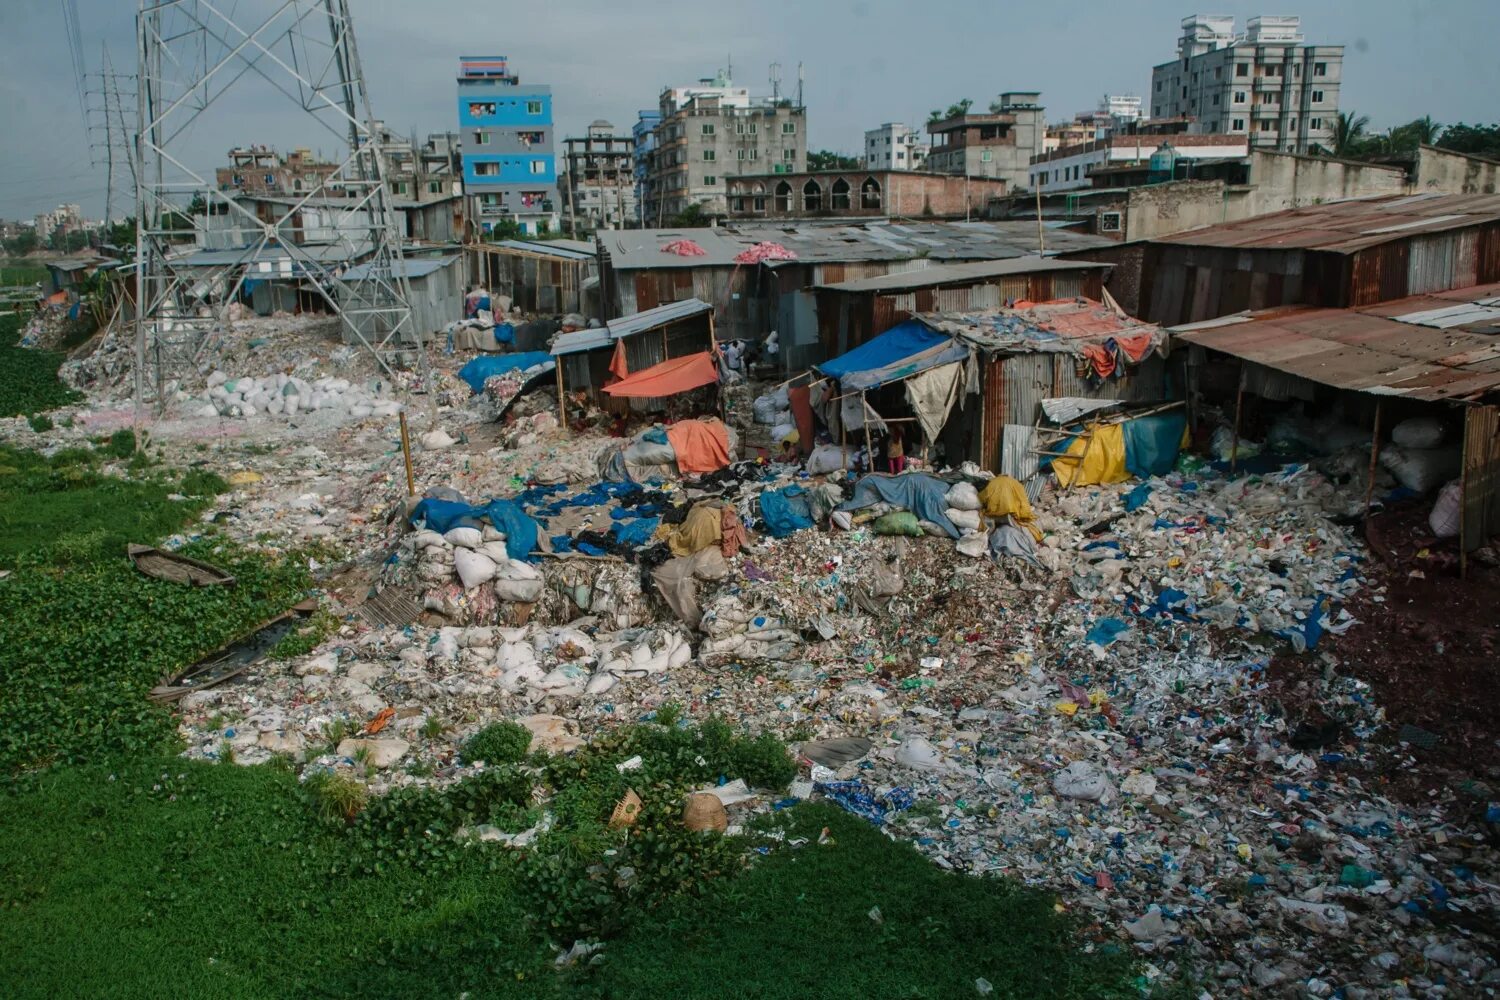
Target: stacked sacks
x=536 y=662
x=281 y=395
x=453 y=567
x=735 y=631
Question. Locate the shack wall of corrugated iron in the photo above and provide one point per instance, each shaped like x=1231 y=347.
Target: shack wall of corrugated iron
x=1481 y=476
x=1380 y=274
x=993 y=410
x=1487 y=254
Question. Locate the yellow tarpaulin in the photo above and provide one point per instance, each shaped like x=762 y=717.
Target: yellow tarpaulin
x=1006 y=497
x=1096 y=463
x=701 y=529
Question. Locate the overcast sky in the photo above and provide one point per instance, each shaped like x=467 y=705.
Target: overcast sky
x=865 y=61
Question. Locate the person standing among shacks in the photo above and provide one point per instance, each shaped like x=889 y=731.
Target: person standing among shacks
x=895 y=453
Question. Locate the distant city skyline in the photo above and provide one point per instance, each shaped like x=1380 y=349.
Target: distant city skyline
x=863 y=67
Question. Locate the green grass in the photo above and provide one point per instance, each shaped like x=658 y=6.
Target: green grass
x=12 y=273
x=28 y=378
x=83 y=635
x=196 y=880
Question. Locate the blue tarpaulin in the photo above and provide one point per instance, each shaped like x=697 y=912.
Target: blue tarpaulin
x=1106 y=631
x=489 y=365
x=785 y=511
x=923 y=495
x=901 y=351
x=1152 y=443
x=506 y=516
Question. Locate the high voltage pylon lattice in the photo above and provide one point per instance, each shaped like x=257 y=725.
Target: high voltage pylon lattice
x=190 y=54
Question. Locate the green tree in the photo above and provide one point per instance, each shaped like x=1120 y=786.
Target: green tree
x=825 y=159
x=1476 y=140
x=24 y=243
x=121 y=235
x=1424 y=131
x=1349 y=133
x=692 y=217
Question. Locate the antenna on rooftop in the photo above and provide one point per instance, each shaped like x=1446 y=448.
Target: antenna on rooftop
x=799 y=85
x=775 y=82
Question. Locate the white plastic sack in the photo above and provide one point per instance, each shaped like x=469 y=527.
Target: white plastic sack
x=1418 y=432
x=782 y=430
x=1421 y=470
x=963 y=496
x=825 y=458
x=1447 y=512
x=974 y=544
x=473 y=567
x=964 y=520
x=468 y=538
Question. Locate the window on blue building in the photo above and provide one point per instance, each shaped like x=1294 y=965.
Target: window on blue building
x=533 y=107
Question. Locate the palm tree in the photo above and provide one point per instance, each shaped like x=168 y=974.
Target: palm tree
x=1349 y=133
x=1424 y=130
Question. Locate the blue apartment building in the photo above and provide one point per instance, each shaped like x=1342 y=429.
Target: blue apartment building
x=644 y=134
x=510 y=167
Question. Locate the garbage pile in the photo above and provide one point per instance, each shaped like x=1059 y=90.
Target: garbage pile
x=281 y=395
x=379 y=693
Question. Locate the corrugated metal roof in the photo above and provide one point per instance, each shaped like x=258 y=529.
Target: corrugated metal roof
x=563 y=249
x=590 y=339
x=827 y=243
x=1385 y=350
x=77 y=263
x=324 y=253
x=418 y=268
x=1347 y=226
x=596 y=337
x=640 y=322
x=945 y=274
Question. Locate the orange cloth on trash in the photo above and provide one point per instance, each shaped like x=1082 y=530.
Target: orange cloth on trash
x=732 y=533
x=617 y=366
x=668 y=378
x=701 y=445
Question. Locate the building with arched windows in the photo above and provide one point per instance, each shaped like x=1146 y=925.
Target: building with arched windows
x=860 y=194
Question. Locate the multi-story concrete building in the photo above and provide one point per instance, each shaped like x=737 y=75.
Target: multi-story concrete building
x=861 y=194
x=510 y=171
x=895 y=146
x=599 y=187
x=260 y=170
x=1265 y=84
x=713 y=131
x=999 y=144
x=644 y=136
x=1071 y=168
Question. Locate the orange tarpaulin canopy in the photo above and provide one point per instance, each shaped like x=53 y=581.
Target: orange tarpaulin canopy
x=668 y=378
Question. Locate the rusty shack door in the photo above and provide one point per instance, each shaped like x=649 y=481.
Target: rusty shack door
x=1481 y=477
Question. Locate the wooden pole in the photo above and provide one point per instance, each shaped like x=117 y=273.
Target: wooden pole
x=411 y=480
x=1374 y=455
x=1234 y=446
x=864 y=416
x=1041 y=240
x=1463 y=503
x=562 y=411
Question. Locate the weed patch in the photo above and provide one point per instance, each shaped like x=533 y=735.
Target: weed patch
x=28 y=378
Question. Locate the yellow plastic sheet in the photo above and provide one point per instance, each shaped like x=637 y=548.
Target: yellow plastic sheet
x=701 y=529
x=1094 y=464
x=1004 y=496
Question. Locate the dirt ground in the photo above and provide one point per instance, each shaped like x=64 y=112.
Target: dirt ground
x=1428 y=651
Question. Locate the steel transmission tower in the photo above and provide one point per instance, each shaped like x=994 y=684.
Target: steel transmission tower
x=191 y=54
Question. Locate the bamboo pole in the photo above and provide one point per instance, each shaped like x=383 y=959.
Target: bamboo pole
x=1234 y=445
x=864 y=416
x=1374 y=455
x=1463 y=504
x=411 y=481
x=562 y=411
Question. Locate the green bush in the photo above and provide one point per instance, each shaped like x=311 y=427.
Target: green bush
x=40 y=422
x=501 y=743
x=28 y=377
x=202 y=483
